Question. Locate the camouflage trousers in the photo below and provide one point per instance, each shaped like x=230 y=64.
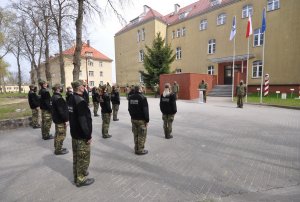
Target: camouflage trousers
x=240 y=100
x=168 y=120
x=96 y=107
x=115 y=109
x=60 y=135
x=105 y=123
x=35 y=117
x=46 y=123
x=139 y=130
x=81 y=160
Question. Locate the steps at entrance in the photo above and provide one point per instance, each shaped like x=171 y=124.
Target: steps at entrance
x=221 y=91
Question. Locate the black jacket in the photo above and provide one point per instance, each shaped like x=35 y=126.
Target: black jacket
x=105 y=103
x=95 y=96
x=80 y=118
x=60 y=112
x=45 y=100
x=33 y=99
x=115 y=98
x=68 y=95
x=86 y=96
x=138 y=107
x=168 y=104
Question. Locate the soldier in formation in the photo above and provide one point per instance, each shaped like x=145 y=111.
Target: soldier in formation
x=69 y=93
x=139 y=112
x=105 y=111
x=168 y=108
x=95 y=98
x=45 y=105
x=115 y=100
x=60 y=117
x=34 y=103
x=81 y=131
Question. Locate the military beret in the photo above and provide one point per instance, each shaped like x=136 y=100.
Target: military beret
x=56 y=86
x=31 y=86
x=76 y=84
x=41 y=82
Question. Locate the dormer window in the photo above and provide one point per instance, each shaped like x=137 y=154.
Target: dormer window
x=215 y=2
x=183 y=15
x=135 y=20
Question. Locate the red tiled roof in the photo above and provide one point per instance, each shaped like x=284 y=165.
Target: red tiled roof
x=87 y=48
x=200 y=6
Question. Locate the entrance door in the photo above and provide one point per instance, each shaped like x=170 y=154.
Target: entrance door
x=227 y=75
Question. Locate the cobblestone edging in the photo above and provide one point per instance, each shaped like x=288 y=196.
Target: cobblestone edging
x=14 y=123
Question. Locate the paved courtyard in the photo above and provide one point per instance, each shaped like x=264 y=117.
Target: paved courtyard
x=218 y=153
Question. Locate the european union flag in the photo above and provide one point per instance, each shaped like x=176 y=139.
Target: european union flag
x=263 y=24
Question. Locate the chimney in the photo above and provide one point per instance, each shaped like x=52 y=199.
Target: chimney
x=88 y=43
x=176 y=8
x=146 y=9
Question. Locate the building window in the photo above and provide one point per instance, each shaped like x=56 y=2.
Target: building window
x=143 y=34
x=91 y=83
x=248 y=9
x=258 y=39
x=215 y=2
x=178 y=53
x=210 y=70
x=203 y=24
x=221 y=20
x=101 y=83
x=91 y=73
x=101 y=73
x=183 y=31
x=141 y=56
x=178 y=33
x=211 y=46
x=178 y=70
x=80 y=73
x=257 y=69
x=141 y=78
x=138 y=36
x=273 y=5
x=100 y=64
x=183 y=15
x=173 y=34
x=90 y=63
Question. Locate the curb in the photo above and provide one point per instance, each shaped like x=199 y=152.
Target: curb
x=278 y=106
x=7 y=124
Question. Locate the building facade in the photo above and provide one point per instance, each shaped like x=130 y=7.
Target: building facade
x=95 y=68
x=199 y=36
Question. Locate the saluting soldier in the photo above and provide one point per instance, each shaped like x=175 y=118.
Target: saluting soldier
x=203 y=86
x=45 y=105
x=139 y=112
x=81 y=131
x=168 y=108
x=115 y=100
x=96 y=100
x=34 y=103
x=105 y=111
x=241 y=93
x=60 y=117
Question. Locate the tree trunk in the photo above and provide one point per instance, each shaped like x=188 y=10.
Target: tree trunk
x=19 y=69
x=61 y=60
x=77 y=53
x=47 y=55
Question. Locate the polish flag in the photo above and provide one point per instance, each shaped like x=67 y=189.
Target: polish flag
x=249 y=27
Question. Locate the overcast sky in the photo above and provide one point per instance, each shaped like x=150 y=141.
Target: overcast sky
x=101 y=34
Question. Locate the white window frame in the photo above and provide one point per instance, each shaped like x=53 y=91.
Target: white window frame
x=203 y=24
x=221 y=19
x=257 y=69
x=91 y=83
x=173 y=34
x=214 y=2
x=178 y=53
x=178 y=70
x=178 y=32
x=101 y=83
x=91 y=73
x=141 y=78
x=138 y=36
x=143 y=34
x=101 y=73
x=90 y=62
x=141 y=56
x=273 y=5
x=210 y=70
x=258 y=38
x=80 y=73
x=183 y=31
x=100 y=63
x=247 y=9
x=211 y=49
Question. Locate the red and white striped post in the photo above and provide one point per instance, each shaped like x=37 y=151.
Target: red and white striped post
x=267 y=80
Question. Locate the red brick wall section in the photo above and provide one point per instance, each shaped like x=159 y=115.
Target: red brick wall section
x=188 y=83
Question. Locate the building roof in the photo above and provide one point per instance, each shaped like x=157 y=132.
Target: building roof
x=87 y=48
x=194 y=9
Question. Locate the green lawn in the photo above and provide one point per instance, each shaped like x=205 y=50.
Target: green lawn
x=273 y=100
x=14 y=108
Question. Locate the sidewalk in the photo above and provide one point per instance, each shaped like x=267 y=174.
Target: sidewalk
x=218 y=153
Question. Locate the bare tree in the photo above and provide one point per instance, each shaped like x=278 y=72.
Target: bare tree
x=5 y=21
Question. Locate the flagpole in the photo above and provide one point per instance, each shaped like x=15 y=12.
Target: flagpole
x=247 y=69
x=233 y=69
x=263 y=59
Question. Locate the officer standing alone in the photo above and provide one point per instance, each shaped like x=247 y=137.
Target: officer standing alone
x=139 y=112
x=60 y=117
x=81 y=131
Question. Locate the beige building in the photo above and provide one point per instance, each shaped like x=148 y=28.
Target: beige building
x=96 y=68
x=199 y=36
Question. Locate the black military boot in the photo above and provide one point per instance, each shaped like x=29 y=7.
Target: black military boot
x=106 y=136
x=49 y=137
x=143 y=152
x=87 y=182
x=61 y=152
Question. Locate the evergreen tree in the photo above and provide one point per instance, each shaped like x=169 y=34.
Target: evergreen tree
x=157 y=61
